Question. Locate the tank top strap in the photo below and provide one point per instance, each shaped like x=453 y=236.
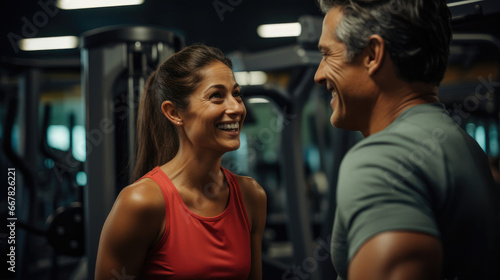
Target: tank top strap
x=237 y=197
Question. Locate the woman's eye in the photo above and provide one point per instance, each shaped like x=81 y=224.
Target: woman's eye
x=237 y=94
x=216 y=95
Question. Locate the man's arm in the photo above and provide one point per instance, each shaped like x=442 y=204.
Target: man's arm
x=387 y=204
x=395 y=255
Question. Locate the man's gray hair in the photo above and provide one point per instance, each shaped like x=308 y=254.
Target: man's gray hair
x=417 y=33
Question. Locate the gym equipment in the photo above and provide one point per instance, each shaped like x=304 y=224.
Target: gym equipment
x=116 y=62
x=26 y=168
x=466 y=11
x=64 y=228
x=470 y=93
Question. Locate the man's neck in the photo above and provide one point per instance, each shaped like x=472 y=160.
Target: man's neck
x=394 y=101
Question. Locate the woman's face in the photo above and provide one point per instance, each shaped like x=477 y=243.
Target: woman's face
x=215 y=114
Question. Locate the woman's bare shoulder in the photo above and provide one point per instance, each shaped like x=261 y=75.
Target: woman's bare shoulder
x=251 y=189
x=144 y=196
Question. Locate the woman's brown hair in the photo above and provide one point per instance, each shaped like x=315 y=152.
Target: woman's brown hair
x=174 y=80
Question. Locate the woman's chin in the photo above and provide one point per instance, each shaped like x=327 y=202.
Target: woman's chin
x=230 y=148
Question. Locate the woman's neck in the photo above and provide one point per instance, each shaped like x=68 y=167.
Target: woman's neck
x=195 y=170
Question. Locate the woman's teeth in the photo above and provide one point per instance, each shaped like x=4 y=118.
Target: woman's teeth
x=227 y=126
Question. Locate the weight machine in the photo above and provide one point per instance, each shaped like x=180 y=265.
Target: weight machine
x=116 y=62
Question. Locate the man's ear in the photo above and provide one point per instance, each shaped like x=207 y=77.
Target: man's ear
x=375 y=54
x=171 y=112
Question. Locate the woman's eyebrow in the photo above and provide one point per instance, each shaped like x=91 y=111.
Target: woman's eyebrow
x=220 y=86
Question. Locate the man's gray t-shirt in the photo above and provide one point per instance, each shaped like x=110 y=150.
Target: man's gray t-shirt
x=422 y=173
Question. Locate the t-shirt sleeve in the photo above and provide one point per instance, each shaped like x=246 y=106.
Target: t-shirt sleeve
x=381 y=189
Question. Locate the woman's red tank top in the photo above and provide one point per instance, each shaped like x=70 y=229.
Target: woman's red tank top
x=196 y=247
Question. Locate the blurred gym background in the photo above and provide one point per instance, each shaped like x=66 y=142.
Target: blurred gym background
x=70 y=80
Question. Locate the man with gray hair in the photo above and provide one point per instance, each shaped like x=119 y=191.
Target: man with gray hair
x=415 y=198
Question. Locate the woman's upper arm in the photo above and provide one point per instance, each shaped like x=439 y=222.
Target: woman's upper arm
x=256 y=207
x=130 y=230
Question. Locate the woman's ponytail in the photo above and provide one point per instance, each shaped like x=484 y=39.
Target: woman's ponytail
x=157 y=139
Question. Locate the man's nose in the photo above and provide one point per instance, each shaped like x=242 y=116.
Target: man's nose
x=319 y=77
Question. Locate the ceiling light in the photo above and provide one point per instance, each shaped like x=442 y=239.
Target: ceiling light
x=257 y=100
x=279 y=30
x=87 y=4
x=250 y=78
x=49 y=43
x=463 y=2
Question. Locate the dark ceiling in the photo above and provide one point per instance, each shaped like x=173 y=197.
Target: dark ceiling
x=198 y=20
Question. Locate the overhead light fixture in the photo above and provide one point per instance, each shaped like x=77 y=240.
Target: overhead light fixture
x=87 y=4
x=277 y=30
x=463 y=2
x=49 y=43
x=250 y=78
x=258 y=100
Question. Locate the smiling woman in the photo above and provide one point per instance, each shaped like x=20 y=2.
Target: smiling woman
x=182 y=201
x=215 y=113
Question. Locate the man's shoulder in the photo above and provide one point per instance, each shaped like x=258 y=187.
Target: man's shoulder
x=408 y=151
x=395 y=143
x=424 y=128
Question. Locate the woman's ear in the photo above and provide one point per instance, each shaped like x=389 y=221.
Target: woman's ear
x=171 y=112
